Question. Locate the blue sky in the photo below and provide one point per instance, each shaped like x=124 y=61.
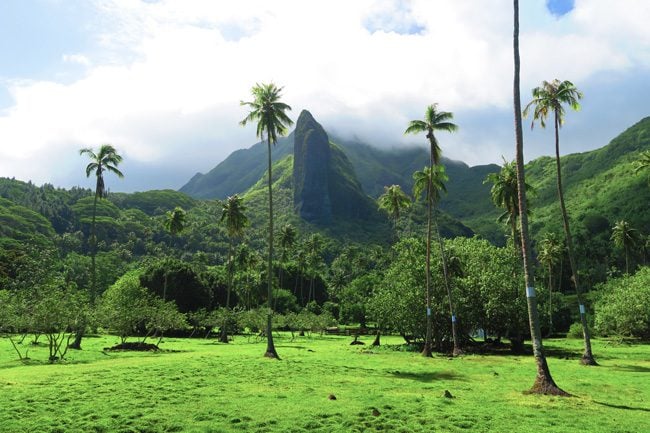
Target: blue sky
x=161 y=80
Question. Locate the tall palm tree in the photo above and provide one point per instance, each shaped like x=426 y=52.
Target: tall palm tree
x=626 y=237
x=269 y=112
x=174 y=224
x=504 y=193
x=544 y=382
x=550 y=254
x=433 y=121
x=232 y=214
x=105 y=159
x=393 y=201
x=548 y=99
x=432 y=180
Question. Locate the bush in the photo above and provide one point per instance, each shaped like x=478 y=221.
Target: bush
x=575 y=331
x=624 y=307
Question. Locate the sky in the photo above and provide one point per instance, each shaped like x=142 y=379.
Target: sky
x=162 y=80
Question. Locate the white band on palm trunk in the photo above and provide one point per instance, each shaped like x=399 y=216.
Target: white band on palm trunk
x=582 y=309
x=530 y=292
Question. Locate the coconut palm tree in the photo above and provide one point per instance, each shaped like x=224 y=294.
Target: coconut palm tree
x=393 y=201
x=643 y=163
x=105 y=159
x=505 y=195
x=232 y=214
x=432 y=180
x=433 y=121
x=550 y=254
x=544 y=382
x=549 y=99
x=269 y=112
x=174 y=224
x=626 y=237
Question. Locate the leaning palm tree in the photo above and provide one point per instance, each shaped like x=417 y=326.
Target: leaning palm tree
x=504 y=193
x=105 y=159
x=174 y=224
x=544 y=382
x=434 y=120
x=269 y=112
x=550 y=254
x=393 y=201
x=232 y=214
x=432 y=180
x=548 y=99
x=626 y=237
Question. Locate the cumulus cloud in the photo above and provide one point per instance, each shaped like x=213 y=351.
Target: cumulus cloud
x=165 y=79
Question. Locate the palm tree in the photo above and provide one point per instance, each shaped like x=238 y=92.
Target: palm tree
x=174 y=224
x=106 y=159
x=544 y=382
x=504 y=193
x=626 y=237
x=643 y=163
x=549 y=99
x=393 y=201
x=269 y=112
x=434 y=120
x=432 y=180
x=232 y=214
x=550 y=254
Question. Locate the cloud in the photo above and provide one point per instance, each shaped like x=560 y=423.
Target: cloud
x=164 y=79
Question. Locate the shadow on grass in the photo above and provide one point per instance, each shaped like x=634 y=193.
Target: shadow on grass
x=622 y=406
x=426 y=376
x=632 y=368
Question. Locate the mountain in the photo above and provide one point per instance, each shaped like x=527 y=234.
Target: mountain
x=467 y=199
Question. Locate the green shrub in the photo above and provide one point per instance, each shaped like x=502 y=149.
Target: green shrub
x=575 y=331
x=624 y=307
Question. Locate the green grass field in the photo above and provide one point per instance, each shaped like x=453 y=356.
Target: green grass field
x=201 y=386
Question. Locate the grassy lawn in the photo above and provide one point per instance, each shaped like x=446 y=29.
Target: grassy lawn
x=201 y=386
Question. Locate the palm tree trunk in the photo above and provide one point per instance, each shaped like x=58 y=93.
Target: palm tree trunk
x=550 y=300
x=224 y=328
x=587 y=356
x=427 y=349
x=270 y=347
x=627 y=261
x=454 y=329
x=76 y=344
x=544 y=383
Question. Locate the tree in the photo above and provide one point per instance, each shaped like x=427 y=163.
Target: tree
x=544 y=382
x=504 y=193
x=106 y=159
x=233 y=216
x=393 y=201
x=643 y=163
x=548 y=99
x=626 y=237
x=434 y=120
x=269 y=112
x=174 y=224
x=550 y=254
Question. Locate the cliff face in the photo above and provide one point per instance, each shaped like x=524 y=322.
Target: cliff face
x=311 y=170
x=324 y=182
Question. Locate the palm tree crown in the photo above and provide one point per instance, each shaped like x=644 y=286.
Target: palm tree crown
x=232 y=213
x=434 y=120
x=393 y=200
x=106 y=159
x=175 y=220
x=436 y=177
x=268 y=111
x=551 y=98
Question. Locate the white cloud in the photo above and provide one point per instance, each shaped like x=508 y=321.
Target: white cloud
x=166 y=81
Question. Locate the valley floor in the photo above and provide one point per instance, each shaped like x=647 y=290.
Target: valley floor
x=201 y=386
